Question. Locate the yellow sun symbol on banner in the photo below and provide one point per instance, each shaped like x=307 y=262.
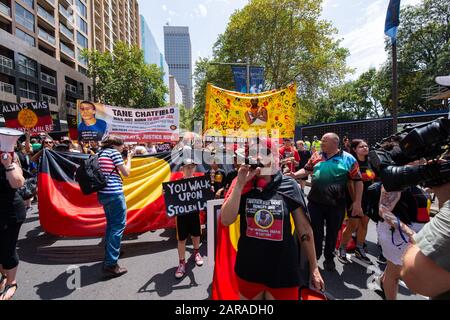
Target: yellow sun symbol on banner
x=27 y=118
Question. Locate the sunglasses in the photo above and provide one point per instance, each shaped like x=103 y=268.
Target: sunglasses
x=48 y=142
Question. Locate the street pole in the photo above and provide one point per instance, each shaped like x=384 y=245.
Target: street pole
x=394 y=87
x=248 y=75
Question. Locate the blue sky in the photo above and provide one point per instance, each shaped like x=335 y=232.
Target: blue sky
x=360 y=24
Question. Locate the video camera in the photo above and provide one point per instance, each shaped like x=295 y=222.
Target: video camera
x=428 y=141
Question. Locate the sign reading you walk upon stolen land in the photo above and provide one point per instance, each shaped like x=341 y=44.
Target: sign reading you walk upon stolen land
x=32 y=116
x=187 y=196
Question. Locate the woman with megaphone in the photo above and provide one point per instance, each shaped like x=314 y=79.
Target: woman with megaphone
x=12 y=211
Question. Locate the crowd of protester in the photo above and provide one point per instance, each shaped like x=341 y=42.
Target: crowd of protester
x=337 y=172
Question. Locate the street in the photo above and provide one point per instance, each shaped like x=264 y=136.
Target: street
x=49 y=265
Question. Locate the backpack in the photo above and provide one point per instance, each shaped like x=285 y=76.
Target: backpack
x=89 y=175
x=373 y=200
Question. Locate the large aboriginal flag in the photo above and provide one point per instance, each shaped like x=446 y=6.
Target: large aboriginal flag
x=65 y=211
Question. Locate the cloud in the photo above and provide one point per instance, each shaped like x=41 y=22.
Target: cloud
x=203 y=10
x=164 y=7
x=366 y=42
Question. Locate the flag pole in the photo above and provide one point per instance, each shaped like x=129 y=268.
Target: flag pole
x=394 y=87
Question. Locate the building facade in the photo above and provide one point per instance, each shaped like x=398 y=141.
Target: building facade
x=175 y=93
x=41 y=43
x=152 y=53
x=40 y=46
x=113 y=21
x=178 y=53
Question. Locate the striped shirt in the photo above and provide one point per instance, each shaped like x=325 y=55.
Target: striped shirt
x=108 y=160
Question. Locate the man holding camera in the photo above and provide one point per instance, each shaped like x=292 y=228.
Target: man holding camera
x=426 y=263
x=331 y=169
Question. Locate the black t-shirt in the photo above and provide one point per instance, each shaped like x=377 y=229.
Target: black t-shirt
x=267 y=250
x=12 y=208
x=368 y=177
x=305 y=155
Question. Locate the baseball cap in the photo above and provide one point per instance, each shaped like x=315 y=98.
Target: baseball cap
x=188 y=161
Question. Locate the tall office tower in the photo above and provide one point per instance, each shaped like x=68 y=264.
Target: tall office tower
x=113 y=21
x=40 y=45
x=177 y=47
x=152 y=53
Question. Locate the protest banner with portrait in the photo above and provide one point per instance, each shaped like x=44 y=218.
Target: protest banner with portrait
x=34 y=117
x=234 y=114
x=187 y=195
x=96 y=120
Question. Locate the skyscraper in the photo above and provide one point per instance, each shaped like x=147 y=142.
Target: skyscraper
x=177 y=47
x=152 y=53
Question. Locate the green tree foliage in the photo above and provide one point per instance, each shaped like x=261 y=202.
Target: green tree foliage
x=423 y=51
x=124 y=79
x=289 y=39
x=186 y=118
x=423 y=45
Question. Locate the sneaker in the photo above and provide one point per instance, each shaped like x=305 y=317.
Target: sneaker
x=366 y=249
x=342 y=256
x=329 y=265
x=114 y=270
x=361 y=255
x=381 y=259
x=198 y=259
x=379 y=289
x=181 y=270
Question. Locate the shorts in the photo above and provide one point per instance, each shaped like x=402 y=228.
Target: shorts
x=394 y=252
x=188 y=224
x=250 y=290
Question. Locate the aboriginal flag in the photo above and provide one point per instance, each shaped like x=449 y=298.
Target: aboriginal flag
x=65 y=211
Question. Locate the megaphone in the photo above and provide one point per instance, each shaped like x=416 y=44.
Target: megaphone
x=8 y=139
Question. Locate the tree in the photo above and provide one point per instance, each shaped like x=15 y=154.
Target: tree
x=186 y=118
x=122 y=78
x=288 y=38
x=423 y=51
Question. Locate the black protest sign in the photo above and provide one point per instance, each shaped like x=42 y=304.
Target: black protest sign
x=32 y=116
x=163 y=147
x=187 y=196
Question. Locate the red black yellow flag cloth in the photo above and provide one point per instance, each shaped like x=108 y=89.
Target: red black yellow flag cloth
x=65 y=211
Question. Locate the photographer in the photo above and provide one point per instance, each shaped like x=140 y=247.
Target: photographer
x=265 y=199
x=426 y=264
x=404 y=213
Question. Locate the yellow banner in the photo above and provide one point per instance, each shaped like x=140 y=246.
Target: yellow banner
x=236 y=114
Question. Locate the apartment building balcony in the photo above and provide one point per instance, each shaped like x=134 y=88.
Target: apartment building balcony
x=5 y=10
x=67 y=51
x=66 y=13
x=44 y=35
x=6 y=65
x=7 y=92
x=48 y=79
x=70 y=88
x=51 y=100
x=67 y=2
x=46 y=16
x=66 y=32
